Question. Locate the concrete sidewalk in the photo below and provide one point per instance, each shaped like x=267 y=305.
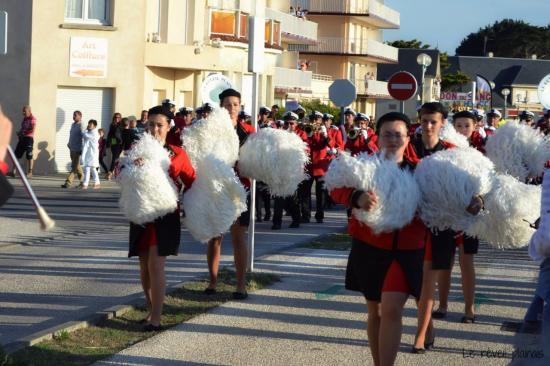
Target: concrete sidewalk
x=310 y=319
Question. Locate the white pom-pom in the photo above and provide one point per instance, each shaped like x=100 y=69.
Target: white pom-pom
x=395 y=188
x=397 y=193
x=275 y=157
x=214 y=135
x=449 y=133
x=147 y=191
x=511 y=206
x=448 y=180
x=214 y=201
x=518 y=150
x=341 y=172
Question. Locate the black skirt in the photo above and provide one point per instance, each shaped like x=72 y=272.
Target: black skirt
x=168 y=233
x=368 y=266
x=443 y=249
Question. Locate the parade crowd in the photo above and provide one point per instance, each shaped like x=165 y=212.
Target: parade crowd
x=385 y=267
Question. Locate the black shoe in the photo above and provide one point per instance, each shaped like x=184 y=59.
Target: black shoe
x=276 y=227
x=468 y=319
x=305 y=221
x=240 y=295
x=418 y=351
x=319 y=221
x=294 y=225
x=258 y=219
x=267 y=217
x=209 y=291
x=65 y=185
x=439 y=314
x=430 y=344
x=152 y=328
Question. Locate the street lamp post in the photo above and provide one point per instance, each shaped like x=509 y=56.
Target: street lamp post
x=423 y=60
x=505 y=92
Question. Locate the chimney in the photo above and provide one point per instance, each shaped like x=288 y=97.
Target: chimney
x=490 y=54
x=533 y=57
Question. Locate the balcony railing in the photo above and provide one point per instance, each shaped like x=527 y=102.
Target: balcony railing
x=292 y=80
x=320 y=77
x=373 y=88
x=378 y=51
x=293 y=29
x=383 y=16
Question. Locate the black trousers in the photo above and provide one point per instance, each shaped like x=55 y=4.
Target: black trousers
x=102 y=163
x=304 y=191
x=263 y=197
x=291 y=204
x=116 y=150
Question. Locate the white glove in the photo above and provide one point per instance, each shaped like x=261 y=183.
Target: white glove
x=364 y=133
x=334 y=151
x=323 y=130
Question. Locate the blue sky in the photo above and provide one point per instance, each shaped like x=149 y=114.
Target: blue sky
x=444 y=23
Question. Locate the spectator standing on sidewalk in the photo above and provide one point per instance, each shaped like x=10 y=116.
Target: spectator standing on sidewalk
x=75 y=148
x=6 y=190
x=142 y=122
x=90 y=154
x=26 y=139
x=129 y=133
x=102 y=149
x=114 y=142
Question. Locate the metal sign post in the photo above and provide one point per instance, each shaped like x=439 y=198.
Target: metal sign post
x=256 y=43
x=3 y=33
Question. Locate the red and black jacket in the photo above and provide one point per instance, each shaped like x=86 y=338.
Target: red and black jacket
x=411 y=237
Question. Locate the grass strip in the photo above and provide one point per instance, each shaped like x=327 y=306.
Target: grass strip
x=97 y=342
x=334 y=241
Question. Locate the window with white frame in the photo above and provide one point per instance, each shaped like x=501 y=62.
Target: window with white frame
x=88 y=11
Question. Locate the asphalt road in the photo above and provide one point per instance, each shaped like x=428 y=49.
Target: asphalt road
x=81 y=267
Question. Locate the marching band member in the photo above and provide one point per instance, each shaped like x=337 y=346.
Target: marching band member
x=183 y=119
x=230 y=99
x=291 y=203
x=493 y=117
x=154 y=241
x=385 y=267
x=527 y=117
x=480 y=123
x=263 y=117
x=360 y=140
x=262 y=190
x=465 y=123
x=318 y=141
x=441 y=248
x=335 y=135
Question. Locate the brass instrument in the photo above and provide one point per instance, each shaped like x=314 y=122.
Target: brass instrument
x=310 y=129
x=353 y=133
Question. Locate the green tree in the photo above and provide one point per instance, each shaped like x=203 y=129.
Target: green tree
x=409 y=44
x=453 y=81
x=508 y=38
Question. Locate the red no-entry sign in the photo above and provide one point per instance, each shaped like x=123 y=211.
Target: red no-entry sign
x=402 y=85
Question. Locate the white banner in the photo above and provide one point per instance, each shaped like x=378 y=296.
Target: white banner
x=88 y=57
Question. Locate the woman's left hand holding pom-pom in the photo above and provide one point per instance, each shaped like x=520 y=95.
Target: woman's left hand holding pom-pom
x=475 y=206
x=368 y=201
